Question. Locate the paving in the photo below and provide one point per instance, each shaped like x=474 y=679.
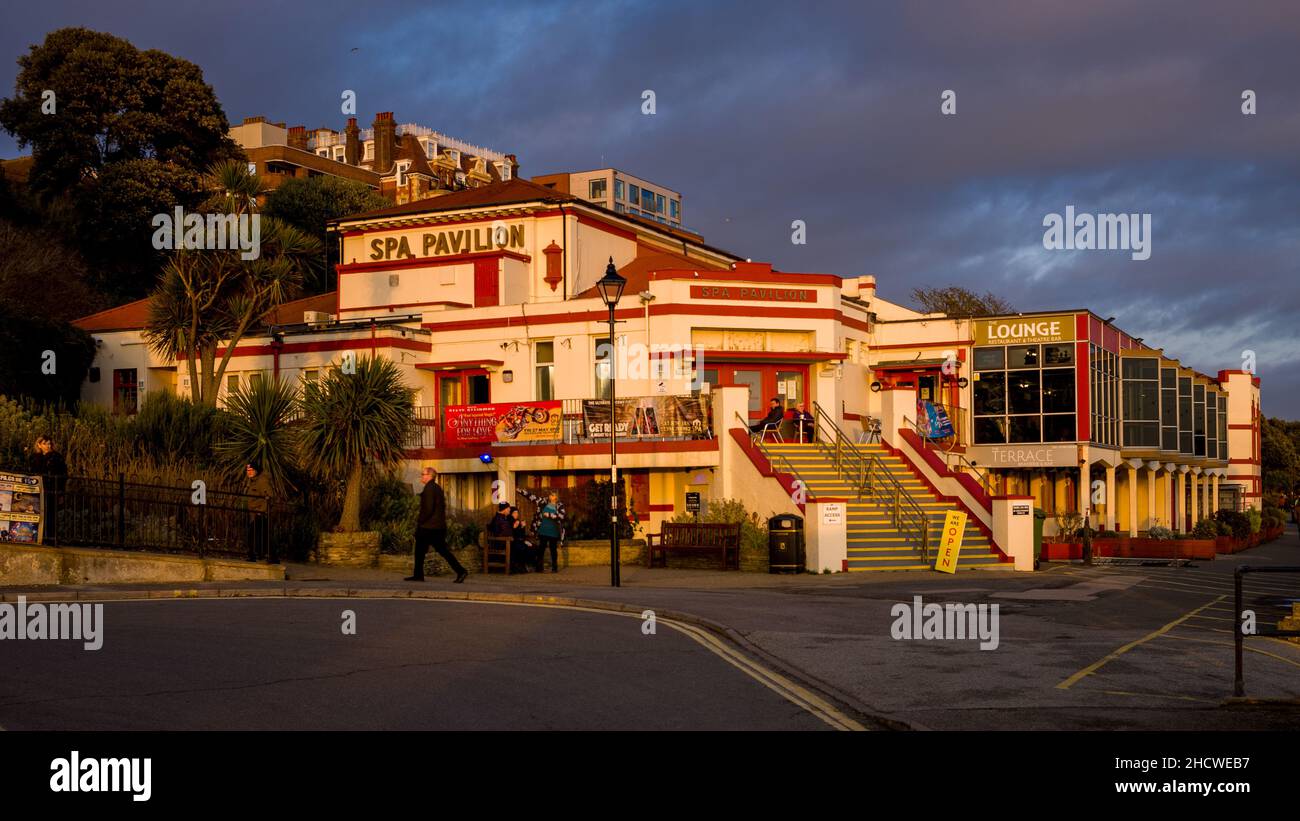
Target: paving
x=1101 y=647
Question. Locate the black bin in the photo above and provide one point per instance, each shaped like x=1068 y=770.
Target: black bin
x=785 y=547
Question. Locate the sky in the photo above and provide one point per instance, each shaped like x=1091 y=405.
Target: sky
x=831 y=113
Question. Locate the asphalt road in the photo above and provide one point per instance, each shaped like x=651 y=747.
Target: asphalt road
x=412 y=665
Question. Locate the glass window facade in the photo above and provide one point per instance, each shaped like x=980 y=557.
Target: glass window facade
x=1169 y=409
x=1018 y=396
x=1104 y=368
x=1141 y=402
x=1185 y=415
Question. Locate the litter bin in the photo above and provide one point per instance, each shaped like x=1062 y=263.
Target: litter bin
x=785 y=548
x=1040 y=516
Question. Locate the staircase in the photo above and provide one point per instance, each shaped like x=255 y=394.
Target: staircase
x=873 y=541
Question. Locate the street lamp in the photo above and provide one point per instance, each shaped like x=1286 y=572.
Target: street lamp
x=611 y=288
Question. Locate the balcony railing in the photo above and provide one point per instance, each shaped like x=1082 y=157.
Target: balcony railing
x=573 y=430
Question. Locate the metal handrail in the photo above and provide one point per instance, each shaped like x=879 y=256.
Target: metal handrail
x=982 y=476
x=872 y=478
x=775 y=457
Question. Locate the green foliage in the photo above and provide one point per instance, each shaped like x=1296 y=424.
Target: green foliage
x=1161 y=533
x=1280 y=455
x=309 y=203
x=132 y=131
x=587 y=507
x=356 y=420
x=1205 y=529
x=391 y=508
x=464 y=527
x=1224 y=529
x=1068 y=525
x=1255 y=518
x=753 y=528
x=261 y=429
x=1108 y=534
x=959 y=302
x=41 y=277
x=1238 y=523
x=173 y=429
x=25 y=337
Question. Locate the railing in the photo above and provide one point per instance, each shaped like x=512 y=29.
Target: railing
x=955 y=461
x=871 y=478
x=1239 y=637
x=122 y=515
x=428 y=430
x=776 y=458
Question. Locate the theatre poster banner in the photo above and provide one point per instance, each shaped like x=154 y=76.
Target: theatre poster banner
x=506 y=422
x=21 y=506
x=648 y=416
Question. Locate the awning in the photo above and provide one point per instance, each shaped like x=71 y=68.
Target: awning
x=912 y=364
x=461 y=365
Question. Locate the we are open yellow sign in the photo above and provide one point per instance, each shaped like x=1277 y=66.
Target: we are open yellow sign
x=954 y=525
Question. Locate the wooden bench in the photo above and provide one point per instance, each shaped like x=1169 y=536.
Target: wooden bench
x=722 y=539
x=496 y=554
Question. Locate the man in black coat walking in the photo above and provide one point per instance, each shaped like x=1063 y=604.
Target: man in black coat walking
x=431 y=529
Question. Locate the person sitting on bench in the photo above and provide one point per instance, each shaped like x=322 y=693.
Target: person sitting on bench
x=774 y=416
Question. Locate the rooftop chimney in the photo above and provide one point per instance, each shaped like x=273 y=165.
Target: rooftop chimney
x=352 y=147
x=867 y=287
x=385 y=142
x=298 y=137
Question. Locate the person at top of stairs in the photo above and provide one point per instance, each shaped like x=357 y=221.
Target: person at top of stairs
x=774 y=416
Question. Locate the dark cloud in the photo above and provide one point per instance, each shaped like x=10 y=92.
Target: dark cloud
x=829 y=113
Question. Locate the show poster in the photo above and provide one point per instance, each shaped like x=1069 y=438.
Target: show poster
x=934 y=420
x=21 y=505
x=648 y=416
x=507 y=422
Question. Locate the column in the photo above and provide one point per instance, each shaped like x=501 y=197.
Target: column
x=1084 y=489
x=1110 y=497
x=1152 y=468
x=1214 y=492
x=1169 y=495
x=1195 y=506
x=1133 y=496
x=1179 y=496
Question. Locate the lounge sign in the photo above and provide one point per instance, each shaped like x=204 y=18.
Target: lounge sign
x=1024 y=330
x=753 y=292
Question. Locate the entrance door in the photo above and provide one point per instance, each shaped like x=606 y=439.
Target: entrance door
x=764 y=382
x=927 y=388
x=125 y=391
x=462 y=388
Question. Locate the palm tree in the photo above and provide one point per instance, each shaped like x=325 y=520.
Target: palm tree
x=207 y=297
x=262 y=428
x=352 y=421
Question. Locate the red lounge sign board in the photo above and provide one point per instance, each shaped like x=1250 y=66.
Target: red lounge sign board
x=513 y=422
x=753 y=292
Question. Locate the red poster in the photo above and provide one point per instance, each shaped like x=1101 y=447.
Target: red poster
x=506 y=422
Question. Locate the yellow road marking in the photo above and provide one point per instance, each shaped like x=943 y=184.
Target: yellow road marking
x=1292 y=662
x=1108 y=658
x=1156 y=695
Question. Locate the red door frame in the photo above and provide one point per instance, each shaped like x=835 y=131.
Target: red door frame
x=767 y=372
x=463 y=377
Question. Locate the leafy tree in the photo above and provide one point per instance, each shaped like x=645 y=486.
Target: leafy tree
x=210 y=297
x=128 y=137
x=42 y=358
x=309 y=203
x=1279 y=455
x=960 y=302
x=40 y=276
x=355 y=421
x=261 y=428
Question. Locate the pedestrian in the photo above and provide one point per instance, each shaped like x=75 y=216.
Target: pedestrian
x=549 y=531
x=431 y=529
x=258 y=486
x=48 y=463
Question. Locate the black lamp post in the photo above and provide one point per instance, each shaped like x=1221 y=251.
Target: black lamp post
x=611 y=288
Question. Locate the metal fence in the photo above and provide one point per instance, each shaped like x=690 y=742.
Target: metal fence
x=122 y=515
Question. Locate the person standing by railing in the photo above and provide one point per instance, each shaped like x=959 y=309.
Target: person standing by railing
x=258 y=485
x=49 y=464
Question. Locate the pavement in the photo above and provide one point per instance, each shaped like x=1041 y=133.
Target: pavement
x=1098 y=648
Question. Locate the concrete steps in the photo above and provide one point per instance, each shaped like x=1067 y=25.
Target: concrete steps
x=874 y=544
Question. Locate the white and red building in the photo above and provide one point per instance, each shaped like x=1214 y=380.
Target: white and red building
x=486 y=296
